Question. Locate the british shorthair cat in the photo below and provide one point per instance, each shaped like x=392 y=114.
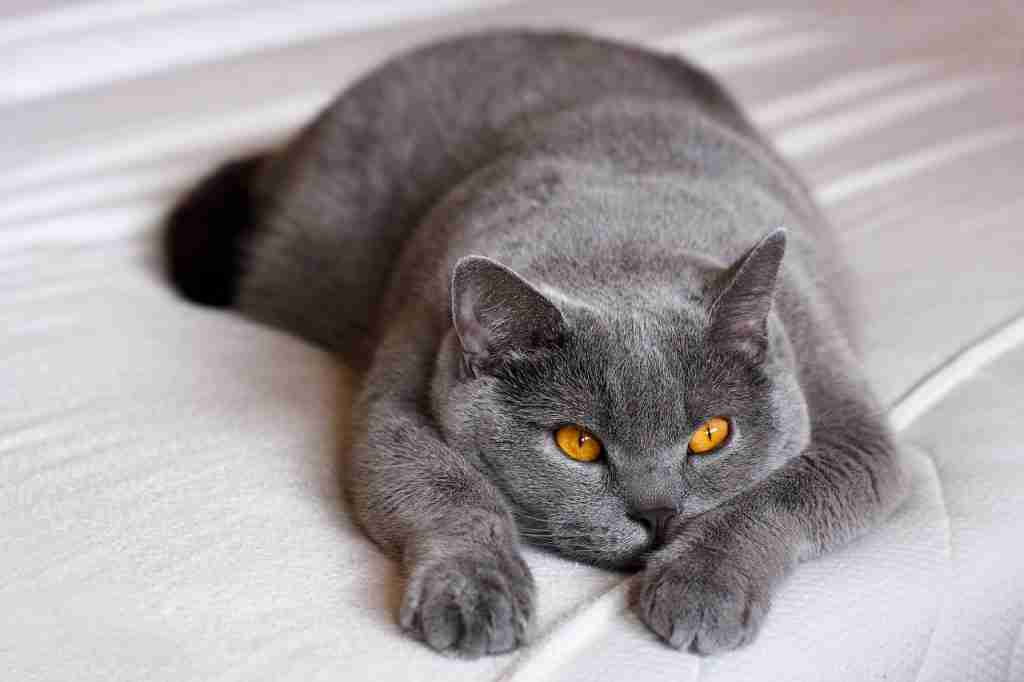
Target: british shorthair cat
x=595 y=311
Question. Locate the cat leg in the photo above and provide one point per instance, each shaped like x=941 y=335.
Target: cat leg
x=468 y=590
x=710 y=587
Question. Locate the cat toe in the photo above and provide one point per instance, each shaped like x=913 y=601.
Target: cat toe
x=470 y=606
x=702 y=607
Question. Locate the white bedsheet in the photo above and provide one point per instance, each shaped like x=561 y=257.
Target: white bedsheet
x=169 y=506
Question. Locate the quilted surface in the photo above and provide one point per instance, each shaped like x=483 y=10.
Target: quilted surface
x=169 y=505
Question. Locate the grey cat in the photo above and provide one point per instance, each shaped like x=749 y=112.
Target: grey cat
x=560 y=262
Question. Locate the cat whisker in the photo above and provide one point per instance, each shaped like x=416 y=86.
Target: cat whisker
x=524 y=515
x=557 y=536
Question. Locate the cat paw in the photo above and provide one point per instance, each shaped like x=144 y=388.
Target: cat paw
x=470 y=605
x=702 y=600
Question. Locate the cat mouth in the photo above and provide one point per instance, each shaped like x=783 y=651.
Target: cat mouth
x=619 y=547
x=660 y=531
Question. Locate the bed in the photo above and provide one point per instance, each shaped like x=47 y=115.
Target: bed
x=170 y=505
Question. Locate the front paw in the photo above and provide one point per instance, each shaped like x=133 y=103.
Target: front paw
x=707 y=599
x=470 y=604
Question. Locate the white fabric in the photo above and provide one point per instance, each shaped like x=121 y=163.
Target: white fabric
x=169 y=506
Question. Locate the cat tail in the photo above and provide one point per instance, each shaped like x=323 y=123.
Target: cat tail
x=290 y=241
x=208 y=231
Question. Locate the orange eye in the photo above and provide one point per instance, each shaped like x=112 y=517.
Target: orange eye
x=578 y=443
x=709 y=436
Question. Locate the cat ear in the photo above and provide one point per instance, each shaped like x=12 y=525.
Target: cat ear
x=497 y=313
x=739 y=317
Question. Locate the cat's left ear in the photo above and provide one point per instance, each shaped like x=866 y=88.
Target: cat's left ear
x=498 y=314
x=739 y=316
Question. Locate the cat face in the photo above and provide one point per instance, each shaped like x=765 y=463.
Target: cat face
x=518 y=367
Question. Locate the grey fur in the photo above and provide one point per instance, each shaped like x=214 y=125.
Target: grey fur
x=514 y=231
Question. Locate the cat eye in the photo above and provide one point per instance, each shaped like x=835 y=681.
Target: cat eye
x=578 y=443
x=709 y=436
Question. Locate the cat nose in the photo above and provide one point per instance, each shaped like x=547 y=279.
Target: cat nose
x=656 y=519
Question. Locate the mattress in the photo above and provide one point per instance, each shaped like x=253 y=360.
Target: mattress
x=170 y=507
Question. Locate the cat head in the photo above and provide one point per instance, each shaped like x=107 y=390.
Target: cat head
x=526 y=372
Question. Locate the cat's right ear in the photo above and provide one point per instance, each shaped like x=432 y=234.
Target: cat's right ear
x=497 y=314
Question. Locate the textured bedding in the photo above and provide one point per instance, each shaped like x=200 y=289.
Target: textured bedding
x=170 y=507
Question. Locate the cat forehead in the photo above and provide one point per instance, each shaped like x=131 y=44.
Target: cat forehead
x=628 y=371
x=642 y=341
x=639 y=372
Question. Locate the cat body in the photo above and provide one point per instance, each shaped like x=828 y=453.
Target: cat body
x=513 y=232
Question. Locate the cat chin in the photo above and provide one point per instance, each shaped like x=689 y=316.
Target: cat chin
x=625 y=557
x=625 y=562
